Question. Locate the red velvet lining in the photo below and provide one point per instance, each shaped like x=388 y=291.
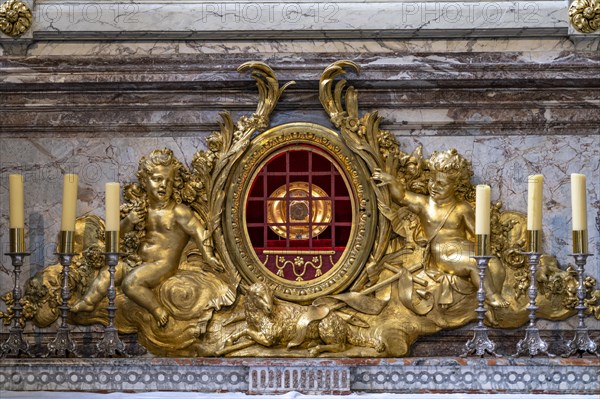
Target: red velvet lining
x=299 y=165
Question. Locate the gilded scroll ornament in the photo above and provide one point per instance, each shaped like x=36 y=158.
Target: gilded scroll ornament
x=585 y=15
x=15 y=18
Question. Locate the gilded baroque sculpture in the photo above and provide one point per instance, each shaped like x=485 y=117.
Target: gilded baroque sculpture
x=219 y=263
x=160 y=226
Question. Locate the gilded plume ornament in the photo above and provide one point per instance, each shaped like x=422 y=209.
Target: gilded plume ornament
x=585 y=15
x=15 y=18
x=250 y=253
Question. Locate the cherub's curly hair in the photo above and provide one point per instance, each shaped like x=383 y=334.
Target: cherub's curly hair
x=164 y=157
x=453 y=164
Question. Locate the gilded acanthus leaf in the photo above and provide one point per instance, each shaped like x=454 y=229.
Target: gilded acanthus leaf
x=212 y=167
x=363 y=137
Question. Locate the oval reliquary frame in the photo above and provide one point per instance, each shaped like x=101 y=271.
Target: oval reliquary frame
x=348 y=263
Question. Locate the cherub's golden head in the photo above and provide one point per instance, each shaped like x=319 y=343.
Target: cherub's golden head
x=162 y=175
x=453 y=166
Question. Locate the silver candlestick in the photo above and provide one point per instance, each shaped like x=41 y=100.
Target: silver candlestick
x=16 y=345
x=532 y=344
x=480 y=344
x=111 y=344
x=582 y=342
x=63 y=345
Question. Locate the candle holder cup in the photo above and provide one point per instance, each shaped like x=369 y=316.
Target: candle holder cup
x=16 y=345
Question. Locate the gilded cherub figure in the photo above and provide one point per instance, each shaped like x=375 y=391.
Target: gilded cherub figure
x=168 y=224
x=447 y=220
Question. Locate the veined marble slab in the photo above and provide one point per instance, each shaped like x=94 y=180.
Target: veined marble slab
x=149 y=19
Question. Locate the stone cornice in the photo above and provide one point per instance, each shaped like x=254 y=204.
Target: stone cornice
x=460 y=70
x=440 y=94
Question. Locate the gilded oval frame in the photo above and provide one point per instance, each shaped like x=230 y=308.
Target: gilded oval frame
x=362 y=235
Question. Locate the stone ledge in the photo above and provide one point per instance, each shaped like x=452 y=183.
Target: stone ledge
x=408 y=375
x=380 y=71
x=193 y=20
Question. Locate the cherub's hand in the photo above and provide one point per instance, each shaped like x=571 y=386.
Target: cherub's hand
x=215 y=264
x=135 y=216
x=382 y=178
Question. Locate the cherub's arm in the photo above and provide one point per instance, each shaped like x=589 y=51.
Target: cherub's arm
x=469 y=218
x=128 y=222
x=394 y=184
x=415 y=202
x=192 y=225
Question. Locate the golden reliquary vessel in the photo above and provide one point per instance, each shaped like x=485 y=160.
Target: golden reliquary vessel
x=300 y=240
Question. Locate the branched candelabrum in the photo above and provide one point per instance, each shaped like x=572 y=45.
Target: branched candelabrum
x=63 y=345
x=480 y=344
x=532 y=344
x=582 y=342
x=16 y=345
x=111 y=344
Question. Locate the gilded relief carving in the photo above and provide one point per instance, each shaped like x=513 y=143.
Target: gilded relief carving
x=249 y=253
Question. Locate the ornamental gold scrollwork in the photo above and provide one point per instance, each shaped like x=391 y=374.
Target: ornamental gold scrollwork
x=585 y=15
x=15 y=18
x=299 y=265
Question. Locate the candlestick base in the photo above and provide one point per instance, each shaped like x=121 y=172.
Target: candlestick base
x=480 y=344
x=62 y=345
x=581 y=344
x=532 y=344
x=111 y=345
x=15 y=345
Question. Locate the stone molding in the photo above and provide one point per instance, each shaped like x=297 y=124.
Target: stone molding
x=409 y=375
x=446 y=94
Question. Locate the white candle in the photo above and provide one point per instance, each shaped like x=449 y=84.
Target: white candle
x=578 y=202
x=482 y=209
x=112 y=206
x=16 y=202
x=69 y=210
x=534 y=203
